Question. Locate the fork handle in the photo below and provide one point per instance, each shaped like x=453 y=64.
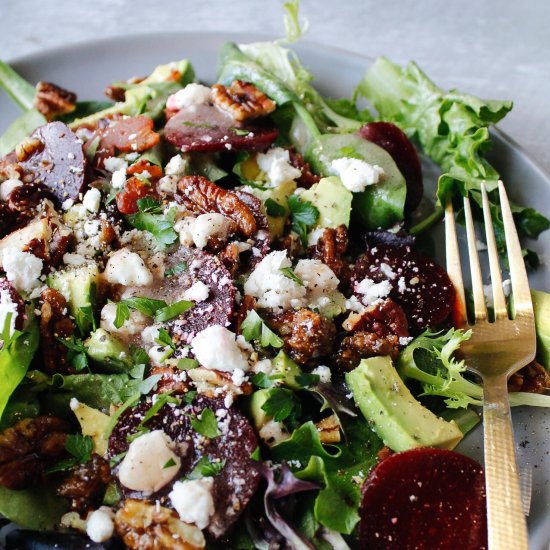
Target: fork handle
x=507 y=528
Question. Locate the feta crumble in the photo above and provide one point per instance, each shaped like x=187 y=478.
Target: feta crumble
x=92 y=200
x=192 y=94
x=371 y=291
x=127 y=268
x=324 y=373
x=216 y=348
x=275 y=163
x=356 y=174
x=6 y=187
x=197 y=292
x=198 y=230
x=23 y=269
x=193 y=500
x=100 y=525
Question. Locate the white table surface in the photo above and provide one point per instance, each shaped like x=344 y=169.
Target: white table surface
x=492 y=48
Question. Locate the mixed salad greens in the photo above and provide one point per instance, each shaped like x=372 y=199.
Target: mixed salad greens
x=216 y=314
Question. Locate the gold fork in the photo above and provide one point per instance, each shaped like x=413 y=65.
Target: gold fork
x=495 y=351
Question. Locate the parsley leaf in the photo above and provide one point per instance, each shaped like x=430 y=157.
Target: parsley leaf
x=262 y=380
x=307 y=379
x=282 y=404
x=164 y=339
x=86 y=313
x=253 y=328
x=256 y=455
x=206 y=467
x=80 y=446
x=122 y=314
x=206 y=424
x=185 y=363
x=274 y=209
x=149 y=205
x=76 y=355
x=189 y=396
x=239 y=131
x=197 y=125
x=350 y=152
x=177 y=269
x=151 y=219
x=171 y=462
x=303 y=216
x=289 y=273
x=147 y=306
x=173 y=310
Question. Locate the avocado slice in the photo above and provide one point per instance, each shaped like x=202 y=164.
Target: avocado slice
x=285 y=371
x=381 y=205
x=332 y=200
x=541 y=305
x=109 y=352
x=77 y=284
x=259 y=417
x=397 y=417
x=93 y=423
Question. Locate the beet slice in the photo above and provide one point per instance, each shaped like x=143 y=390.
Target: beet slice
x=207 y=128
x=14 y=296
x=397 y=144
x=194 y=265
x=419 y=285
x=424 y=499
x=239 y=478
x=59 y=163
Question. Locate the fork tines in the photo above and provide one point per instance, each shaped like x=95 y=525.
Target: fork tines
x=518 y=274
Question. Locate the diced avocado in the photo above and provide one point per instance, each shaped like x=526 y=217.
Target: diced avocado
x=77 y=284
x=259 y=417
x=108 y=351
x=398 y=418
x=332 y=200
x=287 y=369
x=381 y=205
x=541 y=305
x=93 y=423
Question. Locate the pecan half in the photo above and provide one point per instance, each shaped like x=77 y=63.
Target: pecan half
x=306 y=333
x=54 y=323
x=86 y=484
x=330 y=249
x=308 y=178
x=28 y=448
x=201 y=195
x=329 y=429
x=361 y=345
x=242 y=100
x=533 y=378
x=27 y=147
x=52 y=100
x=146 y=526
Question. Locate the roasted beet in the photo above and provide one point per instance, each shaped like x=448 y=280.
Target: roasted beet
x=207 y=128
x=237 y=481
x=397 y=144
x=57 y=161
x=8 y=293
x=419 y=285
x=424 y=499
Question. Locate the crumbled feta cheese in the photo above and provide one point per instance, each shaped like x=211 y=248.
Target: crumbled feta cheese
x=356 y=174
x=192 y=94
x=216 y=348
x=353 y=304
x=168 y=184
x=66 y=204
x=197 y=292
x=271 y=287
x=387 y=271
x=6 y=187
x=92 y=200
x=314 y=235
x=132 y=326
x=125 y=267
x=273 y=432
x=177 y=166
x=198 y=230
x=23 y=269
x=99 y=525
x=7 y=307
x=404 y=340
x=114 y=164
x=323 y=373
x=264 y=366
x=193 y=500
x=276 y=165
x=488 y=291
x=74 y=403
x=147 y=465
x=73 y=259
x=92 y=228
x=157 y=354
x=150 y=334
x=238 y=377
x=118 y=179
x=371 y=291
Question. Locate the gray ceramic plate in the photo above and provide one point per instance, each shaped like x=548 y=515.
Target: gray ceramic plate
x=87 y=68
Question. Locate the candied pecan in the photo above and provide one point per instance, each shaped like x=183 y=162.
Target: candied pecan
x=27 y=147
x=108 y=234
x=291 y=243
x=27 y=197
x=230 y=258
x=330 y=249
x=308 y=178
x=382 y=318
x=204 y=196
x=329 y=429
x=242 y=100
x=361 y=345
x=59 y=244
x=28 y=448
x=533 y=378
x=52 y=100
x=146 y=526
x=306 y=333
x=115 y=93
x=54 y=323
x=86 y=484
x=247 y=304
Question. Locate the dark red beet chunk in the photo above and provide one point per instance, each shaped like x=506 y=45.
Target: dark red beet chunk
x=206 y=128
x=14 y=297
x=59 y=164
x=419 y=285
x=424 y=499
x=238 y=480
x=397 y=144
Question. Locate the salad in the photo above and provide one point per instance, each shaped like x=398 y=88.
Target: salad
x=221 y=322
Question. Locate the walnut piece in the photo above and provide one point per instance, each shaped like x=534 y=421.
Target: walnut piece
x=86 y=484
x=201 y=195
x=329 y=429
x=209 y=382
x=27 y=147
x=242 y=100
x=146 y=526
x=29 y=448
x=52 y=100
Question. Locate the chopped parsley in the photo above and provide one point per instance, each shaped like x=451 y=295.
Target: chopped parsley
x=304 y=215
x=206 y=467
x=80 y=447
x=289 y=273
x=254 y=329
x=150 y=218
x=76 y=356
x=206 y=424
x=173 y=310
x=283 y=405
x=274 y=209
x=181 y=267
